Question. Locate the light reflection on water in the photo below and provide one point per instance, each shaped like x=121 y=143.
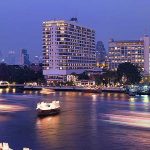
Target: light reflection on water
x=80 y=124
x=4 y=118
x=129 y=118
x=48 y=127
x=11 y=108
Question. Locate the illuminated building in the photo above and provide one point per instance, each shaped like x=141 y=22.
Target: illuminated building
x=134 y=51
x=11 y=58
x=100 y=53
x=146 y=55
x=67 y=48
x=24 y=57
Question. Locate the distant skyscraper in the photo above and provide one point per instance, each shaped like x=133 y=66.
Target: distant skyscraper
x=100 y=52
x=67 y=47
x=37 y=60
x=24 y=57
x=11 y=58
x=1 y=57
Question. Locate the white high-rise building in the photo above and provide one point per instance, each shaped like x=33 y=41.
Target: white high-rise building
x=67 y=48
x=146 y=40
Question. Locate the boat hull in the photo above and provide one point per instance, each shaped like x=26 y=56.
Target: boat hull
x=3 y=86
x=48 y=112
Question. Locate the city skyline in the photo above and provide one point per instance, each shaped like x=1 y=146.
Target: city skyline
x=21 y=23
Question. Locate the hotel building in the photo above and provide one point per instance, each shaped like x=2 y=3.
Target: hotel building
x=126 y=51
x=146 y=55
x=134 y=51
x=67 y=48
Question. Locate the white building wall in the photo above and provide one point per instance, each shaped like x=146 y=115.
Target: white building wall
x=126 y=51
x=74 y=52
x=146 y=55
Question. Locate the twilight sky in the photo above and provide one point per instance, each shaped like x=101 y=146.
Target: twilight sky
x=21 y=20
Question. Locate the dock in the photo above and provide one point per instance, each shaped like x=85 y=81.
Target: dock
x=75 y=89
x=113 y=89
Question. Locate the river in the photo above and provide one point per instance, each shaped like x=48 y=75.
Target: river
x=106 y=121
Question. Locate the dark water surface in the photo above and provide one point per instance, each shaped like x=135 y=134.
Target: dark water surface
x=80 y=126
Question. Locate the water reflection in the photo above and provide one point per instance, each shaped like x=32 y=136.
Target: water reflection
x=4 y=118
x=46 y=123
x=94 y=97
x=48 y=130
x=7 y=90
x=137 y=139
x=129 y=118
x=146 y=102
x=122 y=123
x=11 y=108
x=132 y=103
x=46 y=91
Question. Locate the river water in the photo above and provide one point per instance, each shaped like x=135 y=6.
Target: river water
x=106 y=121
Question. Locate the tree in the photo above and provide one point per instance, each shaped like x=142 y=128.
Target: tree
x=110 y=77
x=20 y=74
x=4 y=72
x=83 y=76
x=129 y=73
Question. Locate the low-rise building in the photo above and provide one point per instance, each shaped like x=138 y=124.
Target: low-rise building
x=86 y=83
x=125 y=51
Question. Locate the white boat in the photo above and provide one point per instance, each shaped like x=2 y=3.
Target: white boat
x=45 y=109
x=5 y=146
x=4 y=84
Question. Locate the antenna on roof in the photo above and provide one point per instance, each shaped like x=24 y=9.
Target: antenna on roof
x=146 y=32
x=74 y=19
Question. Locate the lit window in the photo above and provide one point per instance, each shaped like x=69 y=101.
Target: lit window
x=62 y=39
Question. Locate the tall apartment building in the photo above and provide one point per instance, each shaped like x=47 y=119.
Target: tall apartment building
x=146 y=40
x=24 y=57
x=11 y=58
x=67 y=48
x=126 y=51
x=100 y=52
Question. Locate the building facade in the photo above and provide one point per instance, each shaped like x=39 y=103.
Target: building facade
x=67 y=48
x=24 y=57
x=146 y=40
x=126 y=51
x=11 y=58
x=100 y=52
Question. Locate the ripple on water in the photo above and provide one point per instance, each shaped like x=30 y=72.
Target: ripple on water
x=11 y=108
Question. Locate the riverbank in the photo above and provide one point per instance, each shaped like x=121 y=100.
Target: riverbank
x=65 y=88
x=22 y=87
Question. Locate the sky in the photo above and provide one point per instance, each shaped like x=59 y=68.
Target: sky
x=21 y=20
